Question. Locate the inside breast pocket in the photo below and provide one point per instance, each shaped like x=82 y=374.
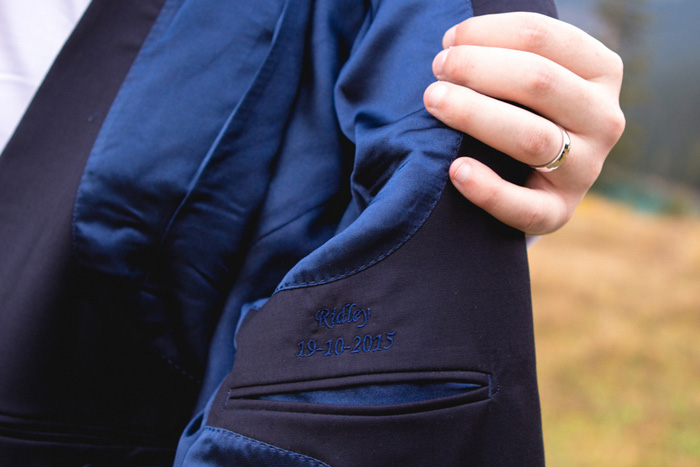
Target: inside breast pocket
x=379 y=394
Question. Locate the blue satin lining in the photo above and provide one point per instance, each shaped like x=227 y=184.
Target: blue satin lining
x=377 y=394
x=216 y=446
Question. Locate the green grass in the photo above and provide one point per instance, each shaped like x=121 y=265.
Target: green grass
x=617 y=316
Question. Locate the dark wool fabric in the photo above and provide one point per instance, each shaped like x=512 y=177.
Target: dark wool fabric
x=237 y=214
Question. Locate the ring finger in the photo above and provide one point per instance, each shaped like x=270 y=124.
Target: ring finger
x=522 y=134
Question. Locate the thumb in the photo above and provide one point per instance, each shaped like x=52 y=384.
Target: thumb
x=534 y=211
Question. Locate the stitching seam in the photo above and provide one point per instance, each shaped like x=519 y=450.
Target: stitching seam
x=403 y=240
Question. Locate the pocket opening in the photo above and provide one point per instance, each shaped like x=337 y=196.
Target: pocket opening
x=377 y=394
x=369 y=394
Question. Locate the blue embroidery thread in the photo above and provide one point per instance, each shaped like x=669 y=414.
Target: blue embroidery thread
x=360 y=344
x=351 y=314
x=347 y=314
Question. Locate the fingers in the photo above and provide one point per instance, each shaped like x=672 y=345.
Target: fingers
x=484 y=77
x=512 y=130
x=534 y=211
x=528 y=79
x=511 y=80
x=555 y=40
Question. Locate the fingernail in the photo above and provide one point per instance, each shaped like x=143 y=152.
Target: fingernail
x=439 y=62
x=448 y=39
x=436 y=92
x=463 y=171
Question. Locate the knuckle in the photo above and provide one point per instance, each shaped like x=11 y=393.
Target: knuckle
x=544 y=218
x=458 y=66
x=462 y=31
x=541 y=80
x=617 y=123
x=612 y=125
x=537 y=144
x=534 y=32
x=450 y=67
x=535 y=220
x=616 y=65
x=465 y=31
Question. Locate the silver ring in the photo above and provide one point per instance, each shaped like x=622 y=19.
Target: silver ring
x=555 y=163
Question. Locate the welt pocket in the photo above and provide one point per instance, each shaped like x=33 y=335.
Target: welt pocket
x=380 y=394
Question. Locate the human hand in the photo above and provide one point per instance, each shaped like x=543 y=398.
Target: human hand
x=564 y=75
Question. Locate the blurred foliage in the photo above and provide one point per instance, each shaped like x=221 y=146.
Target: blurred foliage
x=624 y=21
x=657 y=40
x=624 y=26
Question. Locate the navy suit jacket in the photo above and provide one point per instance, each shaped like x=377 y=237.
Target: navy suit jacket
x=241 y=209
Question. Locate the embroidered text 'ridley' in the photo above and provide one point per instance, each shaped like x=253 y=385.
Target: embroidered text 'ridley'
x=348 y=314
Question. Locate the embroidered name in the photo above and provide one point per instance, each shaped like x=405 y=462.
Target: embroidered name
x=348 y=314
x=353 y=316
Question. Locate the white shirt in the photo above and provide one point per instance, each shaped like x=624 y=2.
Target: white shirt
x=32 y=32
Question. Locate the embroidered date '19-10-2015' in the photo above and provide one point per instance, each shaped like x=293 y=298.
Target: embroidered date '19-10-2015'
x=351 y=315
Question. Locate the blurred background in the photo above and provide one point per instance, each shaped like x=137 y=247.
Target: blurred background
x=617 y=291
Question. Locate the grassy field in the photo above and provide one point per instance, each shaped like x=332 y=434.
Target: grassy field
x=617 y=317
